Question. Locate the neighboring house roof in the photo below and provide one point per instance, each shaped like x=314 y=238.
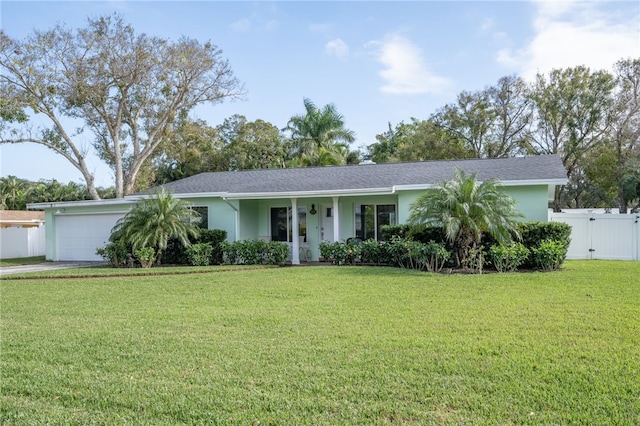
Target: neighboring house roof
x=370 y=178
x=21 y=218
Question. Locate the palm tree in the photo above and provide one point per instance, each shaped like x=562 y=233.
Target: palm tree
x=466 y=208
x=155 y=220
x=13 y=192
x=319 y=134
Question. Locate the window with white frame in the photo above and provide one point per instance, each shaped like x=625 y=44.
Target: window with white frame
x=281 y=223
x=369 y=218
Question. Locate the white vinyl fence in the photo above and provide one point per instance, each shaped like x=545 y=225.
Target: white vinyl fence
x=22 y=242
x=602 y=236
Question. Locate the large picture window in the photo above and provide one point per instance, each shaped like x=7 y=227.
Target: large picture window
x=281 y=223
x=369 y=218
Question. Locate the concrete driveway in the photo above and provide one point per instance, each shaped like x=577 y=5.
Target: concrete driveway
x=48 y=266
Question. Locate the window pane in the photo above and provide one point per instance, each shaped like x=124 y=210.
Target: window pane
x=386 y=216
x=302 y=222
x=279 y=223
x=203 y=221
x=365 y=221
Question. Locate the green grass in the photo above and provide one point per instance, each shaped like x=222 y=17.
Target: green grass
x=325 y=345
x=19 y=261
x=107 y=271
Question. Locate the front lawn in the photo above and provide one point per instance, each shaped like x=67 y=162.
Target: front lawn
x=324 y=345
x=20 y=261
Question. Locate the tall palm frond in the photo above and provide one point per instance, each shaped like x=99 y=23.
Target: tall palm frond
x=466 y=208
x=318 y=129
x=156 y=220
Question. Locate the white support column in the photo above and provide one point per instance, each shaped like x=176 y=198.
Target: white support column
x=336 y=220
x=295 y=243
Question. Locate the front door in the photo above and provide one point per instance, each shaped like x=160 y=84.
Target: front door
x=326 y=222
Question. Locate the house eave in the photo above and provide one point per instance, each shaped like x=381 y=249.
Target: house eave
x=187 y=195
x=84 y=203
x=527 y=182
x=310 y=194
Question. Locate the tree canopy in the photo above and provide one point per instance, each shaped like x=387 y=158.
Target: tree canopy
x=319 y=136
x=127 y=89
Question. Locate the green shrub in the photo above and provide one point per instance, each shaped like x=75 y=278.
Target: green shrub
x=475 y=260
x=250 y=252
x=229 y=253
x=550 y=255
x=341 y=252
x=508 y=258
x=406 y=253
x=436 y=256
x=114 y=253
x=534 y=233
x=387 y=232
x=426 y=234
x=214 y=237
x=176 y=253
x=372 y=251
x=276 y=253
x=146 y=256
x=199 y=254
x=329 y=250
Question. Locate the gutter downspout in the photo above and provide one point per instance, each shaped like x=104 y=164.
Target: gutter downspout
x=237 y=224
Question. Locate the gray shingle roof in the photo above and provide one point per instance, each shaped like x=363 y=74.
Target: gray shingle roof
x=371 y=176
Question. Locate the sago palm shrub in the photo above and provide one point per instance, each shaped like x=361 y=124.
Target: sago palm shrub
x=465 y=209
x=154 y=221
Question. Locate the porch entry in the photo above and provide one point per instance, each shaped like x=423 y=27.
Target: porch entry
x=326 y=222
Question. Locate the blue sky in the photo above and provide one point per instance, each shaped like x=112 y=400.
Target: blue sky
x=378 y=62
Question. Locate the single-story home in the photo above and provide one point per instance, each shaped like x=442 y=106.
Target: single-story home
x=304 y=206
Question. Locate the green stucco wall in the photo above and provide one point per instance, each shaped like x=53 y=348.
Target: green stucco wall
x=531 y=201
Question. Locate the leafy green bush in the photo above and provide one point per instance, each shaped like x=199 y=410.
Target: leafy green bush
x=329 y=251
x=276 y=253
x=372 y=251
x=475 y=259
x=250 y=252
x=507 y=258
x=340 y=252
x=114 y=253
x=533 y=233
x=425 y=234
x=146 y=256
x=214 y=237
x=407 y=253
x=387 y=232
x=199 y=254
x=176 y=253
x=436 y=256
x=550 y=254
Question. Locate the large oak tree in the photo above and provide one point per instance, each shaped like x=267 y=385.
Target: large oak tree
x=123 y=88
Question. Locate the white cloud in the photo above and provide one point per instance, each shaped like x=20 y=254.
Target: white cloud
x=406 y=71
x=241 y=25
x=486 y=24
x=337 y=48
x=569 y=34
x=249 y=24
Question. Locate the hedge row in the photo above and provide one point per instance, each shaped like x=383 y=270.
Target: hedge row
x=543 y=246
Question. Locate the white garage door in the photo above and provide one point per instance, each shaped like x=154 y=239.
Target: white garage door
x=78 y=236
